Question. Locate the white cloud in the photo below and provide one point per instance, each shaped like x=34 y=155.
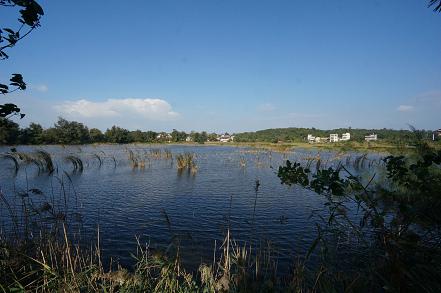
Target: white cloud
x=266 y=107
x=405 y=108
x=149 y=109
x=40 y=88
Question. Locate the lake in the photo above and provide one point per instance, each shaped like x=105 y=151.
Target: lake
x=166 y=208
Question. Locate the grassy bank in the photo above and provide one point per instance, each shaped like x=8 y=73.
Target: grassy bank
x=382 y=147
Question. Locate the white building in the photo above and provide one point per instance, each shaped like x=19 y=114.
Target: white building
x=225 y=137
x=164 y=136
x=333 y=137
x=311 y=138
x=371 y=137
x=436 y=134
x=345 y=136
x=188 y=139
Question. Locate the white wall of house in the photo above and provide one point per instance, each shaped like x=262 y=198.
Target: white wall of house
x=371 y=137
x=345 y=136
x=333 y=137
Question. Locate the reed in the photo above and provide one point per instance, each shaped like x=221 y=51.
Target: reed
x=167 y=154
x=76 y=162
x=186 y=161
x=45 y=160
x=41 y=159
x=156 y=153
x=100 y=160
x=137 y=160
x=12 y=157
x=242 y=162
x=59 y=265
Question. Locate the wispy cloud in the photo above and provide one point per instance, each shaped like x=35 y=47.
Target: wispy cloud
x=405 y=108
x=305 y=115
x=40 y=88
x=266 y=107
x=149 y=109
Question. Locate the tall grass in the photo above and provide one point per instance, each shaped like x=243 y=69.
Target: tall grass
x=186 y=161
x=161 y=154
x=40 y=158
x=76 y=162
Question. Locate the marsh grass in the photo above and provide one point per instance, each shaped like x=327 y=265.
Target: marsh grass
x=40 y=158
x=186 y=161
x=242 y=162
x=51 y=262
x=161 y=154
x=98 y=157
x=12 y=157
x=77 y=163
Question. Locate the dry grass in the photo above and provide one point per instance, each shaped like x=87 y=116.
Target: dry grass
x=186 y=161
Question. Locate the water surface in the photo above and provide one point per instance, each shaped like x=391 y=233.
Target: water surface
x=165 y=208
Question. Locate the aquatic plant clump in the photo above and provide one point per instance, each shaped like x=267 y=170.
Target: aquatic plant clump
x=42 y=159
x=186 y=161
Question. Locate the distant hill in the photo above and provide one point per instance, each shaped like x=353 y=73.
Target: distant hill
x=299 y=134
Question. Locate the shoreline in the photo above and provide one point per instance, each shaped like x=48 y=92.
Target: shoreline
x=277 y=147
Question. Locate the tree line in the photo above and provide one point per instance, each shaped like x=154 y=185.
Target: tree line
x=72 y=132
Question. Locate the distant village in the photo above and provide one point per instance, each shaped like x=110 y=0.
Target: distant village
x=213 y=137
x=333 y=137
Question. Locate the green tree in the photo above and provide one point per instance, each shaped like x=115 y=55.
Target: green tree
x=50 y=136
x=150 y=136
x=71 y=132
x=178 y=136
x=96 y=135
x=199 y=137
x=9 y=132
x=137 y=136
x=32 y=134
x=212 y=137
x=117 y=135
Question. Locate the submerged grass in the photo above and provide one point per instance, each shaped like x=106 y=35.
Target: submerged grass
x=76 y=162
x=40 y=158
x=186 y=161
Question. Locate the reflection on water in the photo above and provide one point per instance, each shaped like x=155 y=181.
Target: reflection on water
x=163 y=206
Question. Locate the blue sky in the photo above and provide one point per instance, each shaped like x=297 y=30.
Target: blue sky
x=231 y=65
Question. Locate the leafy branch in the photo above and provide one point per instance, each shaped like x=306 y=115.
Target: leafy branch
x=436 y=4
x=30 y=14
